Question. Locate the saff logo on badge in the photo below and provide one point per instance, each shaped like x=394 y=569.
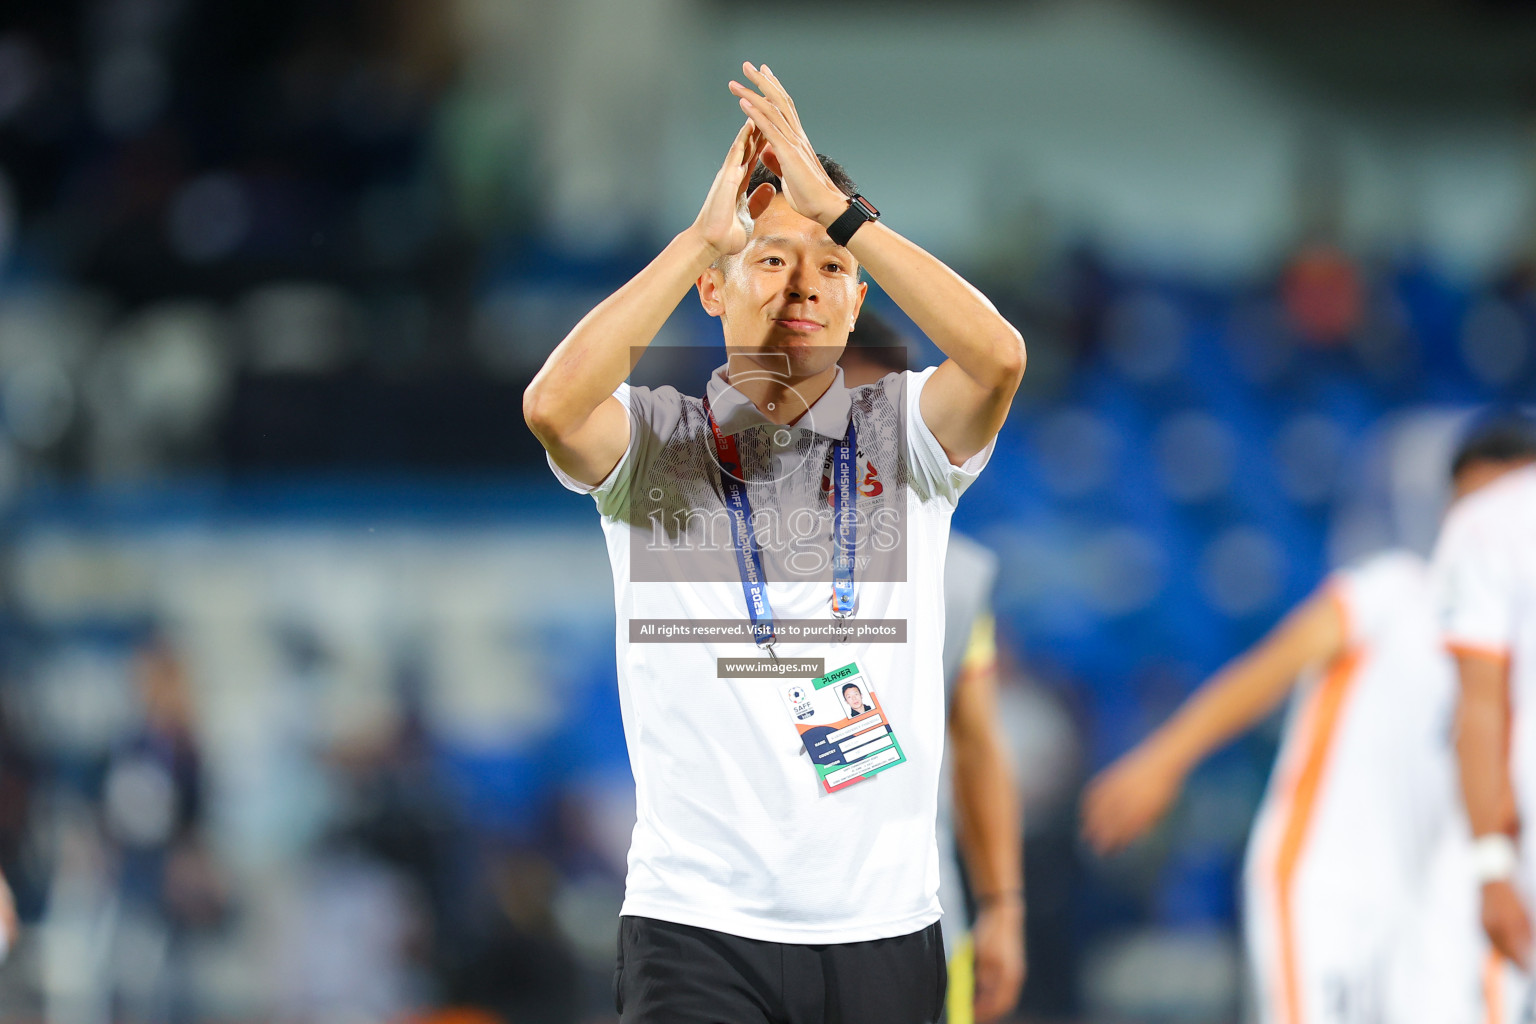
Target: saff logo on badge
x=799 y=702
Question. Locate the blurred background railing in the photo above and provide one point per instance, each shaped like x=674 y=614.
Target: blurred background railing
x=306 y=677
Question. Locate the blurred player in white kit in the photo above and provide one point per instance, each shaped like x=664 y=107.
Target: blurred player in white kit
x=1356 y=904
x=1485 y=573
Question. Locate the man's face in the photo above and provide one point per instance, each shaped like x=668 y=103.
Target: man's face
x=854 y=696
x=791 y=294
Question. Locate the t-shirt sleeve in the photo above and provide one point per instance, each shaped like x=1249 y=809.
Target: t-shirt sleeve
x=932 y=473
x=1372 y=596
x=1474 y=583
x=653 y=415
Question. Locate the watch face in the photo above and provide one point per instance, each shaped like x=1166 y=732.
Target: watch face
x=869 y=208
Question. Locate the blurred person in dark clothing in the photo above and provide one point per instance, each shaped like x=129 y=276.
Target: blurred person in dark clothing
x=520 y=966
x=168 y=880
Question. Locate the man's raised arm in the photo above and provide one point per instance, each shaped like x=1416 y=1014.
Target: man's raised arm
x=569 y=406
x=1482 y=753
x=968 y=397
x=1125 y=800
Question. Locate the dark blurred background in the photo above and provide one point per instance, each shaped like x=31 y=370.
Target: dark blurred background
x=307 y=707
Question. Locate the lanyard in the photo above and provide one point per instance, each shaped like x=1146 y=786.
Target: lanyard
x=754 y=585
x=844 y=522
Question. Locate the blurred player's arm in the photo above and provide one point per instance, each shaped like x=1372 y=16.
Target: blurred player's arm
x=1127 y=798
x=966 y=400
x=1482 y=749
x=569 y=406
x=10 y=925
x=988 y=827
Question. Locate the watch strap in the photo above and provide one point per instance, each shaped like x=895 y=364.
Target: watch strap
x=860 y=211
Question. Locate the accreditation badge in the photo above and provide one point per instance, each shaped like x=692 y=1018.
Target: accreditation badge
x=843 y=726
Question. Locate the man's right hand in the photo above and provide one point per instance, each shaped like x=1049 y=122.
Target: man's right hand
x=1506 y=922
x=720 y=225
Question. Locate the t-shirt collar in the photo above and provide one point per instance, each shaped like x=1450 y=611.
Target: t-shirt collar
x=827 y=416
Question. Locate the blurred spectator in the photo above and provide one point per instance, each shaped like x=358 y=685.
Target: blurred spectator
x=169 y=884
x=1324 y=295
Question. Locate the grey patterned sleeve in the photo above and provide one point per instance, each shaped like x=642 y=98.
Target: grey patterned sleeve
x=653 y=414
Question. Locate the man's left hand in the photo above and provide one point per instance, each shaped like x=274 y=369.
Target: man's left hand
x=789 y=153
x=998 y=936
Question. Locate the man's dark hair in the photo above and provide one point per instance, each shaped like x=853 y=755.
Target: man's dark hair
x=852 y=686
x=761 y=174
x=1504 y=435
x=874 y=338
x=834 y=170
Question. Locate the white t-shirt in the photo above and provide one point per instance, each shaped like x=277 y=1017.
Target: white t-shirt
x=1485 y=567
x=734 y=831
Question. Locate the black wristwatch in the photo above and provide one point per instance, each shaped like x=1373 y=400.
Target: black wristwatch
x=859 y=211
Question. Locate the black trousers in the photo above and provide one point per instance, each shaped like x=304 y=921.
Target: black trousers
x=676 y=974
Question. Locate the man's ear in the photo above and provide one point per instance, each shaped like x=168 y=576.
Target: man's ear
x=858 y=303
x=758 y=201
x=710 y=284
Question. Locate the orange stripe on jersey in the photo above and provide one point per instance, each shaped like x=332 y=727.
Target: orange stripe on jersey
x=1327 y=703
x=1493 y=987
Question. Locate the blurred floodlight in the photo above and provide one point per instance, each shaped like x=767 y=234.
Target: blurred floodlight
x=1495 y=342
x=129 y=90
x=58 y=579
x=171 y=367
x=1195 y=452
x=154 y=389
x=183 y=369
x=1144 y=336
x=209 y=218
x=83 y=702
x=297 y=327
x=1124 y=571
x=1242 y=570
x=53 y=323
x=1077 y=452
x=39 y=402
x=1309 y=456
